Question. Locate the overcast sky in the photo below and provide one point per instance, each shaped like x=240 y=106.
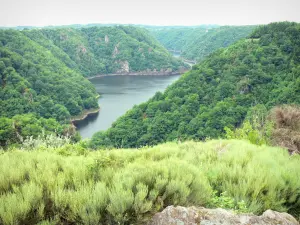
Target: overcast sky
x=155 y=12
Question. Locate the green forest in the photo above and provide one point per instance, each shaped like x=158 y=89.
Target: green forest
x=262 y=69
x=196 y=43
x=42 y=72
x=225 y=135
x=103 y=50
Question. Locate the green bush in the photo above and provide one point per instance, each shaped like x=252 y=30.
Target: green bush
x=226 y=202
x=128 y=186
x=249 y=132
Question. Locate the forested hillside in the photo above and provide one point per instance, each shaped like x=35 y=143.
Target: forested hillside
x=218 y=92
x=42 y=73
x=34 y=81
x=105 y=50
x=197 y=43
x=174 y=38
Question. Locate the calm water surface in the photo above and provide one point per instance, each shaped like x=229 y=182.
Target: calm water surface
x=119 y=94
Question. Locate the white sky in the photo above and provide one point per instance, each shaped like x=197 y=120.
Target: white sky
x=155 y=12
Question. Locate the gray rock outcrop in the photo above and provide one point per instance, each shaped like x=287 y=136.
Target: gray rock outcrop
x=202 y=216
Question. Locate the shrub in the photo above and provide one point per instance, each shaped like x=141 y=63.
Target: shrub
x=256 y=128
x=43 y=140
x=127 y=186
x=279 y=127
x=247 y=132
x=227 y=202
x=263 y=177
x=287 y=127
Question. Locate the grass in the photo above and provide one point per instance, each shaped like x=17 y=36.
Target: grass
x=71 y=185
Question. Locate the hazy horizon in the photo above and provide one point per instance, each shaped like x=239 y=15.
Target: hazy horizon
x=41 y=13
x=130 y=24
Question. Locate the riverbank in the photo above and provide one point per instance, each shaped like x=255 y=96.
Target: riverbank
x=142 y=73
x=84 y=115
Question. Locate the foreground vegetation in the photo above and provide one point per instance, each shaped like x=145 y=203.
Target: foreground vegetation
x=219 y=92
x=69 y=184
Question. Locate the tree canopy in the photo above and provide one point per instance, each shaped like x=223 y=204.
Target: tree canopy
x=218 y=92
x=103 y=50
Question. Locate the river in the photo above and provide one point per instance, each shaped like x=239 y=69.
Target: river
x=119 y=94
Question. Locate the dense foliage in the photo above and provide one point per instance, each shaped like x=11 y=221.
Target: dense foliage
x=104 y=50
x=17 y=128
x=218 y=92
x=278 y=127
x=42 y=70
x=33 y=80
x=176 y=38
x=202 y=46
x=70 y=185
x=197 y=43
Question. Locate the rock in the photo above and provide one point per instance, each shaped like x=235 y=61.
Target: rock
x=116 y=51
x=169 y=70
x=124 y=67
x=106 y=39
x=202 y=216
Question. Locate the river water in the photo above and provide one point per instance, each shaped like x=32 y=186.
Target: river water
x=119 y=94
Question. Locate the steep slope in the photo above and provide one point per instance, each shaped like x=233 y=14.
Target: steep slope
x=203 y=45
x=33 y=80
x=197 y=43
x=177 y=38
x=105 y=50
x=218 y=92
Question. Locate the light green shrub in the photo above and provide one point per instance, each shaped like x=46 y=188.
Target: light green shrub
x=84 y=205
x=46 y=141
x=263 y=177
x=248 y=132
x=15 y=207
x=127 y=186
x=149 y=186
x=141 y=204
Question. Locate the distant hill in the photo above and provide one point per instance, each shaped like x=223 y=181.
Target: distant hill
x=104 y=50
x=107 y=25
x=218 y=92
x=195 y=43
x=176 y=38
